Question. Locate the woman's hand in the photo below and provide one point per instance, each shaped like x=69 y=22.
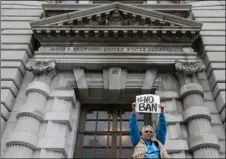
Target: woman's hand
x=162 y=108
x=134 y=108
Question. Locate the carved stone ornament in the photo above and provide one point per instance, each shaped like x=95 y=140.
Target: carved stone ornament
x=189 y=67
x=40 y=66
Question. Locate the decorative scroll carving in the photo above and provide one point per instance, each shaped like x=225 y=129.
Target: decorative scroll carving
x=189 y=67
x=40 y=66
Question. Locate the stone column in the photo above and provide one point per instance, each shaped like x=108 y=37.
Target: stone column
x=202 y=141
x=24 y=138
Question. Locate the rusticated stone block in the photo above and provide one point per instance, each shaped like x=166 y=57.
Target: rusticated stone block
x=7 y=99
x=176 y=145
x=11 y=86
x=53 y=144
x=4 y=112
x=12 y=74
x=219 y=87
x=59 y=117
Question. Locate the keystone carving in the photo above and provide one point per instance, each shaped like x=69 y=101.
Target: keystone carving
x=189 y=67
x=40 y=66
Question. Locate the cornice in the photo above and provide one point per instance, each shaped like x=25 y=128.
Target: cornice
x=97 y=10
x=157 y=7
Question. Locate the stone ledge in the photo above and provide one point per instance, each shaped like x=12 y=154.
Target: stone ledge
x=190 y=88
x=196 y=112
x=64 y=94
x=59 y=117
x=53 y=144
x=23 y=138
x=203 y=140
x=176 y=145
x=40 y=87
x=7 y=99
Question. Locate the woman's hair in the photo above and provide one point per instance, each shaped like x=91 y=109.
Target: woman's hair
x=147 y=127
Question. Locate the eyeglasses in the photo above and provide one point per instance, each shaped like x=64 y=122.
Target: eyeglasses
x=148 y=131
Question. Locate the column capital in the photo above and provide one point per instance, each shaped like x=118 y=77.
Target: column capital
x=39 y=67
x=189 y=67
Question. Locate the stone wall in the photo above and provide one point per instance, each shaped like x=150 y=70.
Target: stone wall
x=212 y=51
x=17 y=47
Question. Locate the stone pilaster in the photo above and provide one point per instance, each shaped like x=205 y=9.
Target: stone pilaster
x=202 y=141
x=24 y=139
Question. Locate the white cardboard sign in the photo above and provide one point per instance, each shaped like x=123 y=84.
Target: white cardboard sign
x=148 y=103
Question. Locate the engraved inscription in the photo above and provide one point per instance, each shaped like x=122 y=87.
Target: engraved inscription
x=114 y=49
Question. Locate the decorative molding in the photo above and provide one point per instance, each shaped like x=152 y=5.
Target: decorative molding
x=41 y=66
x=106 y=9
x=156 y=7
x=189 y=67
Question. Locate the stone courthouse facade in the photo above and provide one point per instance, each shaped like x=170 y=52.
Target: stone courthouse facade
x=70 y=70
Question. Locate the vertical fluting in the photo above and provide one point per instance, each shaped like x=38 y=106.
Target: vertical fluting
x=206 y=152
x=24 y=138
x=198 y=122
x=18 y=151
